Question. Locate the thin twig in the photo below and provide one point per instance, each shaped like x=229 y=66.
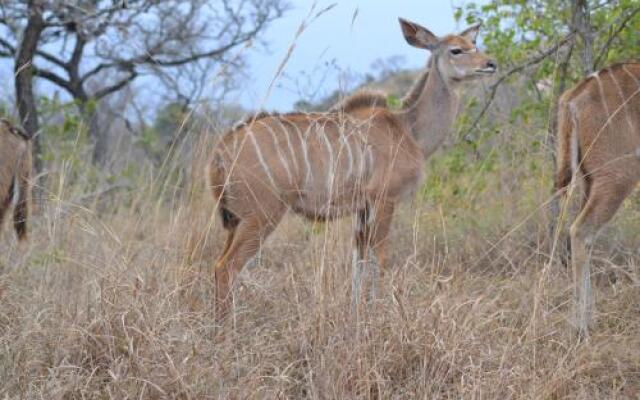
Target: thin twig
x=621 y=25
x=530 y=62
x=99 y=193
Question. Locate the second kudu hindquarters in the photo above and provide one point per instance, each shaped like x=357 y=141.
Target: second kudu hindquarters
x=15 y=175
x=598 y=141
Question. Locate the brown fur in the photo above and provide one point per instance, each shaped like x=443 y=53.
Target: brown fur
x=598 y=140
x=362 y=99
x=15 y=175
x=250 y=119
x=359 y=158
x=416 y=91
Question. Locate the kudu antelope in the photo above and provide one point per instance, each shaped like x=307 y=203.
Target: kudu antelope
x=360 y=157
x=599 y=141
x=15 y=173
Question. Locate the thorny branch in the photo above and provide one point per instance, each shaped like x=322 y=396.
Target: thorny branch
x=621 y=24
x=530 y=62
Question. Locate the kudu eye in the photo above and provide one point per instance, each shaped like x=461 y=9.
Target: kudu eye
x=456 y=52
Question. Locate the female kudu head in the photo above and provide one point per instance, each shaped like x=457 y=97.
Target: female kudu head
x=455 y=56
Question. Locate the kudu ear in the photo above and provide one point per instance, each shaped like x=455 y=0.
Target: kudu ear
x=471 y=33
x=417 y=35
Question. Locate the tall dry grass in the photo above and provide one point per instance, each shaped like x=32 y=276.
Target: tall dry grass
x=112 y=298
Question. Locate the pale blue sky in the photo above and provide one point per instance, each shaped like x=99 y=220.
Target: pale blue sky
x=330 y=54
x=331 y=46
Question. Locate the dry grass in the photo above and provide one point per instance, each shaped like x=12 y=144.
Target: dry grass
x=113 y=300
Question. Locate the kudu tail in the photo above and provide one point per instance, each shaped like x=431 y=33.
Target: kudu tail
x=568 y=150
x=567 y=157
x=22 y=193
x=217 y=180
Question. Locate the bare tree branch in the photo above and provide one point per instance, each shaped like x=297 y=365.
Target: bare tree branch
x=51 y=58
x=115 y=87
x=99 y=68
x=11 y=50
x=150 y=59
x=53 y=78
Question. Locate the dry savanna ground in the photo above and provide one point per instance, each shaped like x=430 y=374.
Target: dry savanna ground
x=112 y=297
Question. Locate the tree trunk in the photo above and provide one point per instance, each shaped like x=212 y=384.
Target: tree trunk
x=86 y=104
x=89 y=114
x=101 y=141
x=25 y=98
x=582 y=25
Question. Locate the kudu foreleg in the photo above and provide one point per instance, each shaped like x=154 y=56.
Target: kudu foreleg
x=372 y=229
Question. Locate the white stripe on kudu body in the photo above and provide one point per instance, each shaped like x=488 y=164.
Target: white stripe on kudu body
x=344 y=143
x=304 y=145
x=624 y=68
x=330 y=165
x=264 y=164
x=368 y=181
x=601 y=91
x=276 y=144
x=370 y=158
x=362 y=160
x=287 y=134
x=623 y=100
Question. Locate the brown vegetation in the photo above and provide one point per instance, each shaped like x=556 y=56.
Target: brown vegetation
x=96 y=310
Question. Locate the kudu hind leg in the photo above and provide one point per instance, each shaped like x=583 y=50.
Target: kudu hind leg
x=227 y=245
x=558 y=207
x=20 y=215
x=5 y=204
x=230 y=223
x=242 y=245
x=602 y=203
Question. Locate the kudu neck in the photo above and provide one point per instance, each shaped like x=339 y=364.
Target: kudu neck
x=429 y=109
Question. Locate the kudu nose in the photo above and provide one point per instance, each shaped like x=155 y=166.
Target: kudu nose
x=492 y=64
